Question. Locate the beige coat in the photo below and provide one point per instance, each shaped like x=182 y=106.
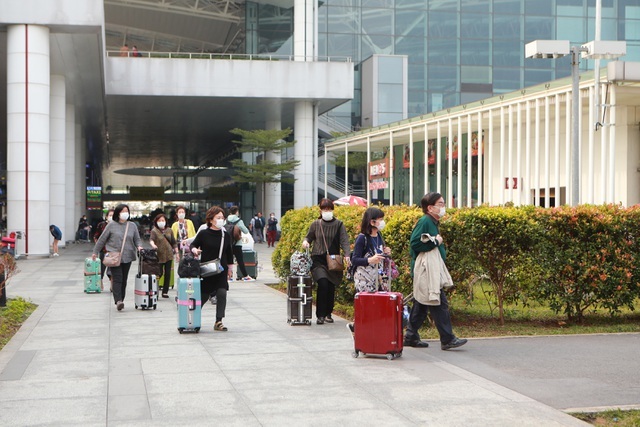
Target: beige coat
x=430 y=276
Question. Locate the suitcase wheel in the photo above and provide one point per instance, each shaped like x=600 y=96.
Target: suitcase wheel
x=307 y=322
x=197 y=329
x=181 y=330
x=355 y=354
x=154 y=306
x=136 y=307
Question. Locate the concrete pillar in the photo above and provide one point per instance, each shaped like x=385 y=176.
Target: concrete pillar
x=70 y=174
x=80 y=174
x=273 y=192
x=304 y=30
x=28 y=94
x=305 y=133
x=57 y=174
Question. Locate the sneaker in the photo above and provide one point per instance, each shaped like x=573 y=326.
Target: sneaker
x=119 y=305
x=213 y=299
x=320 y=321
x=230 y=279
x=219 y=327
x=416 y=344
x=165 y=295
x=454 y=343
x=248 y=279
x=351 y=328
x=56 y=254
x=328 y=319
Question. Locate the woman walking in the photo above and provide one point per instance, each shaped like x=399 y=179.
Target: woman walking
x=328 y=235
x=183 y=228
x=119 y=236
x=210 y=244
x=164 y=242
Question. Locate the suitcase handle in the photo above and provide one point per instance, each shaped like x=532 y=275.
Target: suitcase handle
x=304 y=299
x=192 y=304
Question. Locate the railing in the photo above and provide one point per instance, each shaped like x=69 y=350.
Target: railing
x=234 y=56
x=338 y=185
x=334 y=125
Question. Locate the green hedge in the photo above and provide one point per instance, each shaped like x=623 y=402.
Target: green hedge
x=570 y=259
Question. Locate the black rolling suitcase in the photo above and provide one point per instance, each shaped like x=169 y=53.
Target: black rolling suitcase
x=299 y=300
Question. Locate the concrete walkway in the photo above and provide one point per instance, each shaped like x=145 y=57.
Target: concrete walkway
x=77 y=361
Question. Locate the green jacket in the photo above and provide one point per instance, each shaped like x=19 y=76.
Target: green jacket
x=426 y=224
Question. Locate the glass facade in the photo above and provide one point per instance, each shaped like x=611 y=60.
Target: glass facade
x=459 y=50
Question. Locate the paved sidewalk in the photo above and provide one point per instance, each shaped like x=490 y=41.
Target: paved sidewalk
x=77 y=361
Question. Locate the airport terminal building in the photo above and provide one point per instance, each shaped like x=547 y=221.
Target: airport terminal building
x=125 y=94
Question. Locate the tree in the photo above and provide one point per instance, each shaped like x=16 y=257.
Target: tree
x=261 y=141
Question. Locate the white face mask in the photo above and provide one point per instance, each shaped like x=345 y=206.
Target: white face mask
x=161 y=224
x=219 y=223
x=327 y=216
x=443 y=210
x=380 y=225
x=124 y=216
x=181 y=215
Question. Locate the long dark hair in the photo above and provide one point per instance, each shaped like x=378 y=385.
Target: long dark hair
x=118 y=209
x=429 y=199
x=370 y=214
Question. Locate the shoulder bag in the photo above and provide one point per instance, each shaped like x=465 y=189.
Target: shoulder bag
x=334 y=262
x=112 y=259
x=213 y=267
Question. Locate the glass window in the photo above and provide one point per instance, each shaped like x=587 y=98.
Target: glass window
x=413 y=47
x=442 y=79
x=534 y=77
x=390 y=97
x=388 y=4
x=443 y=51
x=608 y=29
x=450 y=5
x=538 y=28
x=376 y=44
x=507 y=53
x=509 y=7
x=443 y=25
x=342 y=19
x=608 y=11
x=342 y=45
x=538 y=7
x=411 y=22
x=475 y=52
x=570 y=7
x=390 y=69
x=570 y=29
x=384 y=118
x=474 y=26
x=476 y=7
x=506 y=79
x=377 y=21
x=506 y=27
x=471 y=74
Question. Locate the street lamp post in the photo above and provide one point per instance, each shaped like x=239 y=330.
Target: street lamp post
x=548 y=49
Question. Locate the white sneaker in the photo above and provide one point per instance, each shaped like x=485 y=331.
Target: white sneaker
x=248 y=279
x=56 y=254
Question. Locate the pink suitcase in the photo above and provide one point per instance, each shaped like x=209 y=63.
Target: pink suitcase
x=378 y=324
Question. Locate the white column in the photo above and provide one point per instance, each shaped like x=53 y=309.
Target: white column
x=518 y=200
x=547 y=153
x=70 y=174
x=556 y=168
x=469 y=162
x=591 y=150
x=536 y=155
x=527 y=154
x=305 y=134
x=57 y=159
x=480 y=160
x=80 y=187
x=613 y=122
x=28 y=136
x=502 y=156
x=273 y=191
x=410 y=202
x=304 y=29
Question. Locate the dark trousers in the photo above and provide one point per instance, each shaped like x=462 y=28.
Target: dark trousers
x=103 y=267
x=326 y=296
x=120 y=275
x=237 y=252
x=166 y=273
x=439 y=314
x=221 y=303
x=271 y=238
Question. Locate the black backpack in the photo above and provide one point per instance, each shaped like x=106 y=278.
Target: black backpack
x=189 y=266
x=233 y=230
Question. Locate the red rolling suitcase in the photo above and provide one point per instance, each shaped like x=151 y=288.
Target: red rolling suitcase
x=378 y=324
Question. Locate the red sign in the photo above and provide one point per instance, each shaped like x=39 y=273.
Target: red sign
x=378 y=185
x=379 y=169
x=511 y=183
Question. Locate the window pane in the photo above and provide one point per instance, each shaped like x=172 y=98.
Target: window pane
x=390 y=69
x=377 y=21
x=411 y=22
x=570 y=29
x=376 y=44
x=507 y=53
x=538 y=28
x=390 y=98
x=506 y=27
x=539 y=7
x=475 y=52
x=443 y=25
x=443 y=51
x=341 y=19
x=474 y=26
x=511 y=7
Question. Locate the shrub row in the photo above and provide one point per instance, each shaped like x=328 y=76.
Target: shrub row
x=573 y=260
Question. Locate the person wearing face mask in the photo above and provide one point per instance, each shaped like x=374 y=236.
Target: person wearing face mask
x=99 y=229
x=424 y=238
x=369 y=253
x=207 y=244
x=328 y=235
x=164 y=242
x=111 y=239
x=183 y=228
x=272 y=230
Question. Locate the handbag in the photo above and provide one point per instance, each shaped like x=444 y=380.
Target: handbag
x=334 y=262
x=112 y=259
x=189 y=266
x=214 y=266
x=300 y=263
x=247 y=242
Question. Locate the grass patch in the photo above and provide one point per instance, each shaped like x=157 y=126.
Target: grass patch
x=615 y=417
x=12 y=316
